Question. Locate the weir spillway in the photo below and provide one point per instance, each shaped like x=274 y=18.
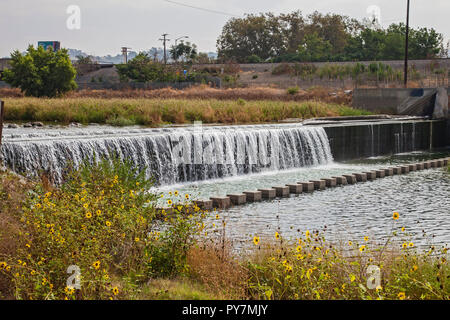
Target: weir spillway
x=170 y=155
x=196 y=153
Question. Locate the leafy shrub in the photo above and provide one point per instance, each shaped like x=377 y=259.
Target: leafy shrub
x=98 y=220
x=293 y=90
x=41 y=72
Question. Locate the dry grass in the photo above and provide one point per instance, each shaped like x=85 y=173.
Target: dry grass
x=143 y=111
x=12 y=196
x=205 y=92
x=218 y=271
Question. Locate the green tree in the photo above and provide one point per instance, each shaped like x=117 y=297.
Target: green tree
x=41 y=73
x=141 y=69
x=186 y=51
x=314 y=48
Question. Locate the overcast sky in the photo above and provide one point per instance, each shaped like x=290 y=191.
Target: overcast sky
x=107 y=25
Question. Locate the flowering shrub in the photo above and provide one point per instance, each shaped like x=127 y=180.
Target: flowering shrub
x=315 y=269
x=98 y=221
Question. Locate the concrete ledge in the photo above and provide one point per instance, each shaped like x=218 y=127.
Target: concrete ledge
x=351 y=178
x=446 y=161
x=237 y=199
x=204 y=204
x=433 y=164
x=307 y=186
x=330 y=182
x=268 y=193
x=319 y=184
x=221 y=202
x=389 y=171
x=281 y=191
x=341 y=180
x=371 y=175
x=405 y=169
x=360 y=177
x=427 y=164
x=419 y=166
x=253 y=196
x=380 y=173
x=440 y=163
x=412 y=167
x=295 y=188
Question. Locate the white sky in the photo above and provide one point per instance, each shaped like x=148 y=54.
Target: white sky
x=107 y=25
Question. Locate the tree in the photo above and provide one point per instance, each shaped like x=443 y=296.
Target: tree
x=41 y=72
x=186 y=51
x=84 y=59
x=314 y=48
x=141 y=69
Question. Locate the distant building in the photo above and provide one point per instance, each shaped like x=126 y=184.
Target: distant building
x=55 y=45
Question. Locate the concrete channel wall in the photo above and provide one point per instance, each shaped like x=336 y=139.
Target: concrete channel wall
x=360 y=140
x=385 y=100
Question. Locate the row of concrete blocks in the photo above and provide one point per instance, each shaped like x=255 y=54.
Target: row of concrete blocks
x=310 y=186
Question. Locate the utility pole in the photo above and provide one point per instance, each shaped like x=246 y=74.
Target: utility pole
x=164 y=40
x=2 y=110
x=125 y=54
x=406 y=46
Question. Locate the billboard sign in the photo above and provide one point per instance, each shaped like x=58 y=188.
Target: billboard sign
x=54 y=45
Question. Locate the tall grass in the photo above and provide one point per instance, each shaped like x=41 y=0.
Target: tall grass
x=158 y=111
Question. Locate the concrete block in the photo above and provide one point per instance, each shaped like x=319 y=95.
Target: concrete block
x=204 y=204
x=371 y=175
x=380 y=173
x=427 y=165
x=268 y=193
x=237 y=199
x=412 y=167
x=221 y=202
x=319 y=184
x=389 y=172
x=281 y=191
x=351 y=178
x=398 y=170
x=295 y=188
x=405 y=169
x=253 y=196
x=419 y=166
x=307 y=186
x=360 y=177
x=440 y=163
x=433 y=164
x=445 y=161
x=341 y=181
x=330 y=182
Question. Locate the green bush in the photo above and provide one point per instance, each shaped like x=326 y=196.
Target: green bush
x=41 y=72
x=293 y=90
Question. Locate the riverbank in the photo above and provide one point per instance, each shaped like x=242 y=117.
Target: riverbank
x=154 y=112
x=98 y=222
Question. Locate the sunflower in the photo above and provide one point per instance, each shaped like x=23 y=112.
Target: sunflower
x=277 y=235
x=362 y=248
x=88 y=215
x=395 y=216
x=115 y=291
x=401 y=295
x=96 y=265
x=366 y=238
x=186 y=196
x=108 y=223
x=169 y=202
x=256 y=240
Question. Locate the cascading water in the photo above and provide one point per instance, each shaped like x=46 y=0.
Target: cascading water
x=170 y=155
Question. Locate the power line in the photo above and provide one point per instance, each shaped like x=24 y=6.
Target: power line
x=203 y=9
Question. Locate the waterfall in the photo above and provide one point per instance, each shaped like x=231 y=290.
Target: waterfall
x=170 y=155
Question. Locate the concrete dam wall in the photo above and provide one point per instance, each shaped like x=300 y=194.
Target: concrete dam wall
x=359 y=140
